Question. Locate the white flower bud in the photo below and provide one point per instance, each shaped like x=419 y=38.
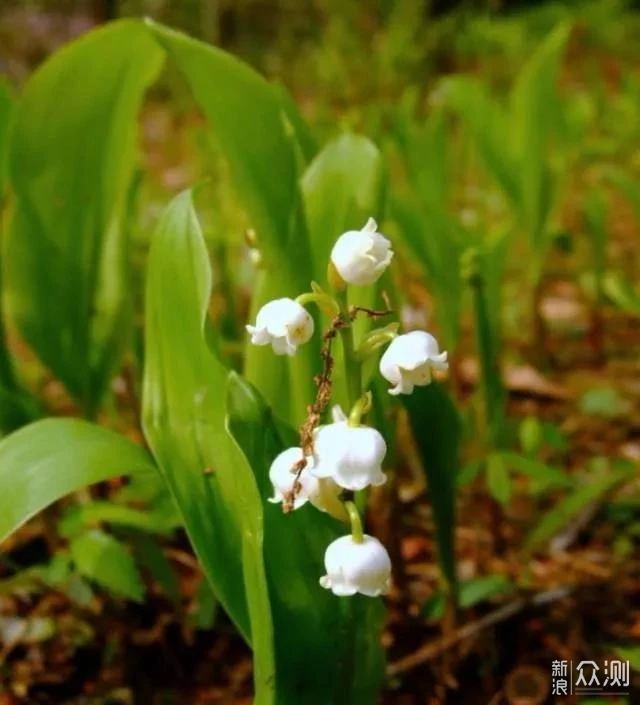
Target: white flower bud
x=357 y=567
x=361 y=256
x=284 y=323
x=323 y=494
x=409 y=361
x=350 y=455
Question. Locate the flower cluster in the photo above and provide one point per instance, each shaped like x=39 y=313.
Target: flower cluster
x=345 y=456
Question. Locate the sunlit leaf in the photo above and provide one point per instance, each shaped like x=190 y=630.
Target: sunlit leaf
x=70 y=164
x=340 y=636
x=253 y=126
x=48 y=459
x=183 y=419
x=342 y=188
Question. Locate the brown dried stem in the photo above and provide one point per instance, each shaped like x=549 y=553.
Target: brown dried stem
x=323 y=395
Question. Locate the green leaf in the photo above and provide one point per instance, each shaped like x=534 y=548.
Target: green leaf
x=488 y=123
x=535 y=115
x=16 y=408
x=604 y=401
x=149 y=555
x=435 y=425
x=498 y=480
x=342 y=188
x=530 y=434
x=107 y=562
x=543 y=475
x=629 y=653
x=472 y=592
x=6 y=114
x=339 y=636
x=48 y=459
x=432 y=240
x=205 y=607
x=252 y=124
x=99 y=511
x=622 y=292
x=183 y=420
x=247 y=116
x=569 y=507
x=71 y=162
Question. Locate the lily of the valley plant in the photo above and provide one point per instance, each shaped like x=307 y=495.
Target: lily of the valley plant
x=338 y=459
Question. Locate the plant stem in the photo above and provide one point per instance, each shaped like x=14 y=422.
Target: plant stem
x=352 y=366
x=356 y=523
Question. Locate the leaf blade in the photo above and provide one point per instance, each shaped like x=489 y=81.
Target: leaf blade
x=48 y=459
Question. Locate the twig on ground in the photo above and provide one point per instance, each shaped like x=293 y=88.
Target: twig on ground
x=435 y=648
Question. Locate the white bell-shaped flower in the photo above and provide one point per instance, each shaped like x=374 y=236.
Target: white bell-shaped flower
x=323 y=494
x=361 y=256
x=410 y=360
x=283 y=323
x=353 y=566
x=350 y=455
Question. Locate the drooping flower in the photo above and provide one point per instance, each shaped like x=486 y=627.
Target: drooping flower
x=361 y=256
x=353 y=566
x=350 y=455
x=284 y=324
x=323 y=494
x=410 y=360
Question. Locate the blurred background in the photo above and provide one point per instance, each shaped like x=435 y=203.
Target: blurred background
x=508 y=137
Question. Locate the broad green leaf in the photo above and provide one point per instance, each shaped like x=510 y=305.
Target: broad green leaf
x=247 y=116
x=252 y=124
x=342 y=188
x=107 y=562
x=339 y=636
x=183 y=420
x=435 y=425
x=48 y=459
x=70 y=163
x=303 y=134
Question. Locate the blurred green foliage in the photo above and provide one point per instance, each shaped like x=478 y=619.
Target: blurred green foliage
x=473 y=136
